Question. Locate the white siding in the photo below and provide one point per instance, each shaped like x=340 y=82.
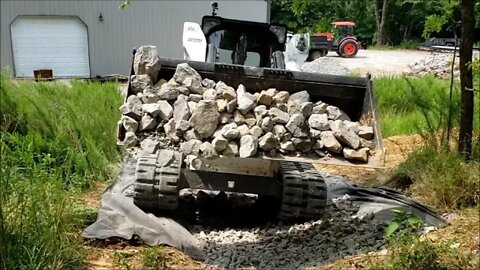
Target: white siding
x=111 y=42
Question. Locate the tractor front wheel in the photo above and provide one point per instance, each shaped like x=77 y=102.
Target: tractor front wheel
x=348 y=48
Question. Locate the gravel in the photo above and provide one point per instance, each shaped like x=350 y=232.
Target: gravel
x=293 y=246
x=326 y=65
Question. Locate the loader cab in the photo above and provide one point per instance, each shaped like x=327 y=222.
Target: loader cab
x=242 y=42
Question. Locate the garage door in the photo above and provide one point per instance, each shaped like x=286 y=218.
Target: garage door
x=50 y=42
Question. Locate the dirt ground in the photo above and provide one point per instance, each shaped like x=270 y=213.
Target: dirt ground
x=381 y=62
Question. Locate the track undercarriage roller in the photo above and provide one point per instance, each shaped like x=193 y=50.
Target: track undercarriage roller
x=304 y=194
x=156 y=180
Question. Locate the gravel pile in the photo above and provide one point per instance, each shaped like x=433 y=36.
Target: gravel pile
x=202 y=117
x=325 y=65
x=438 y=64
x=312 y=243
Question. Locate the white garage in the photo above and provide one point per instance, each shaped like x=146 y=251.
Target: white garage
x=59 y=43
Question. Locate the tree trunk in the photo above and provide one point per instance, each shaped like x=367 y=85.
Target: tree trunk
x=381 y=12
x=466 y=78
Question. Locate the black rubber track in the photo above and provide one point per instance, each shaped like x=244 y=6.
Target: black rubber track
x=304 y=194
x=156 y=184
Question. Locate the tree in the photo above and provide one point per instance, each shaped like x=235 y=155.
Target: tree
x=466 y=78
x=381 y=16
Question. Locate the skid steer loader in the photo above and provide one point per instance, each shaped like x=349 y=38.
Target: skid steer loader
x=258 y=56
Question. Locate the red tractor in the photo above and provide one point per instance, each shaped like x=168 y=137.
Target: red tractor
x=342 y=41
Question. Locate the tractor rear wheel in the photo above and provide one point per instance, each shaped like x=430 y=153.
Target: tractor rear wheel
x=348 y=48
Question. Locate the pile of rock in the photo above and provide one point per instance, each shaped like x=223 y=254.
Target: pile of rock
x=203 y=117
x=326 y=65
x=295 y=246
x=437 y=64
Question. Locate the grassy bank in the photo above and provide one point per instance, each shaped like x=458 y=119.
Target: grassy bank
x=54 y=141
x=405 y=105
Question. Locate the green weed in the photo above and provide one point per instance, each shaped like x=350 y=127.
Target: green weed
x=410 y=252
x=153 y=258
x=54 y=139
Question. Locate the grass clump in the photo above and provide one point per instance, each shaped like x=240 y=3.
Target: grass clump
x=153 y=258
x=410 y=252
x=413 y=105
x=441 y=178
x=54 y=139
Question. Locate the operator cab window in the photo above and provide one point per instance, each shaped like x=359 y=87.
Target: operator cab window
x=235 y=48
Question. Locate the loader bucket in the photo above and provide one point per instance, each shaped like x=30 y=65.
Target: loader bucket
x=354 y=95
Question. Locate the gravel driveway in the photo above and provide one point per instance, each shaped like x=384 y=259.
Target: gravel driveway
x=377 y=62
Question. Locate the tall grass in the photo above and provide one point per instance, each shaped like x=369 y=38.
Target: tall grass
x=415 y=105
x=55 y=139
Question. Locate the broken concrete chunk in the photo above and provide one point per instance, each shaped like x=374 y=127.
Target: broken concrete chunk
x=219 y=143
x=250 y=120
x=195 y=97
x=296 y=125
x=320 y=108
x=282 y=107
x=132 y=107
x=165 y=109
x=319 y=122
x=225 y=118
x=207 y=150
x=360 y=154
x=256 y=131
x=170 y=131
x=302 y=144
x=149 y=145
x=367 y=144
x=168 y=92
x=139 y=82
x=191 y=147
x=335 y=113
x=152 y=108
x=352 y=126
x=279 y=131
x=205 y=118
x=330 y=142
x=231 y=106
x=181 y=110
x=238 y=118
x=147 y=123
x=287 y=146
x=281 y=97
x=231 y=150
x=300 y=97
x=279 y=116
x=146 y=61
x=129 y=123
x=191 y=135
x=365 y=132
x=294 y=108
x=315 y=134
x=189 y=77
x=245 y=102
x=266 y=96
x=130 y=140
x=230 y=131
x=244 y=130
x=210 y=94
x=347 y=137
x=222 y=105
x=226 y=91
x=182 y=126
x=318 y=144
x=307 y=109
x=248 y=146
x=268 y=141
x=267 y=124
x=207 y=83
x=334 y=125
